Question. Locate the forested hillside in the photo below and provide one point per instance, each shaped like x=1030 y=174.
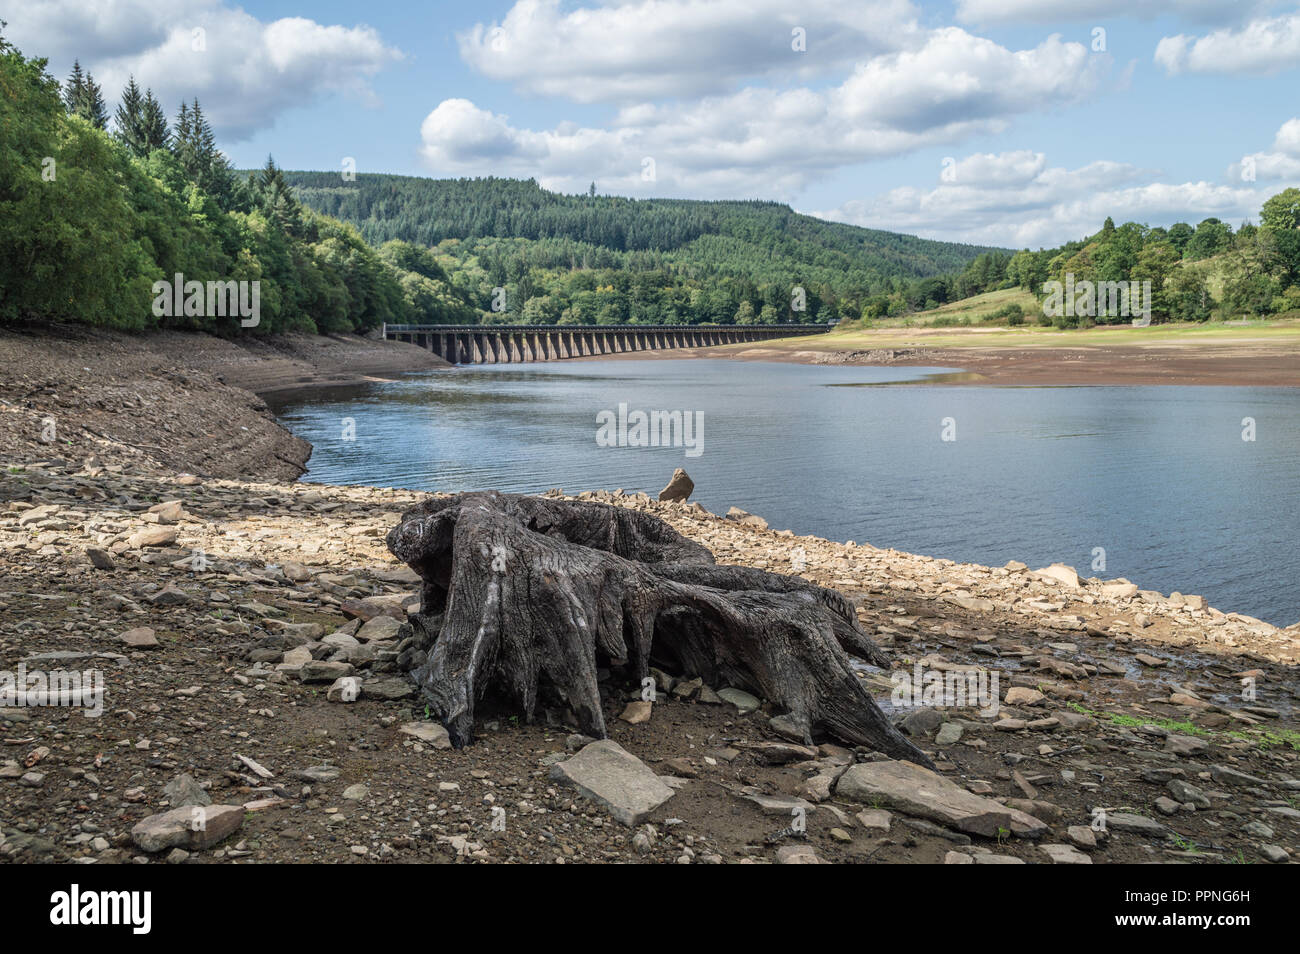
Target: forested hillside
x=97 y=213
x=1192 y=273
x=605 y=259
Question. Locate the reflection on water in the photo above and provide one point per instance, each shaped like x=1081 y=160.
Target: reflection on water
x=1158 y=478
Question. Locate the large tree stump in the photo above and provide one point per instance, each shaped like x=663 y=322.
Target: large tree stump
x=523 y=592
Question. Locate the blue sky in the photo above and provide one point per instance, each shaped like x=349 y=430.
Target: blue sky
x=1009 y=122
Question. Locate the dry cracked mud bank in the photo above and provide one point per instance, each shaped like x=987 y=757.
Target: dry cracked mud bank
x=247 y=634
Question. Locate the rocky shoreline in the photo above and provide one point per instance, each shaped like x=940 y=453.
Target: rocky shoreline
x=227 y=682
x=248 y=630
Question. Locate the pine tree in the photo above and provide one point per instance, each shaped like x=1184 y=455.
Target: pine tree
x=154 y=123
x=129 y=120
x=278 y=202
x=83 y=97
x=182 y=143
x=74 y=90
x=93 y=108
x=213 y=171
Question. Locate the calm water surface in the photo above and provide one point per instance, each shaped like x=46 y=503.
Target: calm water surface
x=1158 y=477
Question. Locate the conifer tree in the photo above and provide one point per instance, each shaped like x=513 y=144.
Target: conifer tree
x=83 y=97
x=129 y=120
x=74 y=89
x=154 y=123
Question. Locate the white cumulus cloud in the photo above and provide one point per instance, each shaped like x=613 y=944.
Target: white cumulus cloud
x=1262 y=46
x=651 y=49
x=1058 y=11
x=770 y=142
x=1279 y=164
x=244 y=71
x=1017 y=200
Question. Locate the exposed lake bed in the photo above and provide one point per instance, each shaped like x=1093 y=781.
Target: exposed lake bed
x=1099 y=681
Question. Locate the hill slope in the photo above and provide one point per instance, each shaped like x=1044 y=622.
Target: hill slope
x=710 y=257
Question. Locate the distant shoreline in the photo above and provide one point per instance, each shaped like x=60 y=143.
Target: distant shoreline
x=1242 y=361
x=193 y=402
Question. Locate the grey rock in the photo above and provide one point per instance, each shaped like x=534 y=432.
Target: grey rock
x=1065 y=855
x=379 y=627
x=620 y=782
x=1185 y=792
x=430 y=733
x=740 y=699
x=183 y=790
x=1185 y=745
x=318 y=773
x=321 y=670
x=1275 y=853
x=921 y=722
x=949 y=734
x=193 y=827
x=1137 y=824
x=1230 y=776
x=396 y=688
x=141 y=637
x=680 y=487
x=797 y=855
x=918 y=791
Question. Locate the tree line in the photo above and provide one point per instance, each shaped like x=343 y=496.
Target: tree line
x=1196 y=272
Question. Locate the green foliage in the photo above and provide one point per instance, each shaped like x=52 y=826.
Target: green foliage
x=84 y=98
x=1257 y=269
x=604 y=259
x=1282 y=211
x=1013 y=314
x=1211 y=237
x=89 y=222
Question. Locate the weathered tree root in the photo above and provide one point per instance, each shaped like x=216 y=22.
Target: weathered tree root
x=521 y=592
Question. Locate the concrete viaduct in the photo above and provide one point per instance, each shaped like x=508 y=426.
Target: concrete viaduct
x=507 y=344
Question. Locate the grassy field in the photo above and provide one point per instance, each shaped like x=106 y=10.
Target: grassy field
x=974 y=309
x=935 y=329
x=1284 y=332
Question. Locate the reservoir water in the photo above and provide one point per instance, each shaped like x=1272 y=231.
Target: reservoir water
x=1194 y=489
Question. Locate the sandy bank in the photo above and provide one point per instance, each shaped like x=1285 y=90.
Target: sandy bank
x=1224 y=363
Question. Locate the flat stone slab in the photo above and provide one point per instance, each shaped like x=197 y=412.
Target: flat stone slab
x=1136 y=824
x=920 y=792
x=614 y=778
x=430 y=733
x=142 y=637
x=192 y=827
x=1065 y=855
x=740 y=699
x=780 y=804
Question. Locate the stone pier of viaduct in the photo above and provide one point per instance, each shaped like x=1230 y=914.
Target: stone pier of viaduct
x=505 y=344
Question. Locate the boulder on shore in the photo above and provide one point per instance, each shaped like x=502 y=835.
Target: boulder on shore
x=917 y=791
x=615 y=779
x=679 y=487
